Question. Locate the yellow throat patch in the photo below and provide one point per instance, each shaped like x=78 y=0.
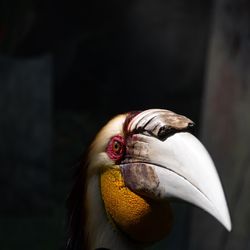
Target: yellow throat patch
x=142 y=219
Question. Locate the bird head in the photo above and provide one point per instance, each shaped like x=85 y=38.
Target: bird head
x=136 y=165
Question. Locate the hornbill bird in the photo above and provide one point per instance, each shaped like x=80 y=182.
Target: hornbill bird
x=137 y=164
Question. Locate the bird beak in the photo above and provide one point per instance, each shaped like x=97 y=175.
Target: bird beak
x=164 y=161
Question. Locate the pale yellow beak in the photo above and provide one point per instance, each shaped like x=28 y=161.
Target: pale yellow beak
x=177 y=166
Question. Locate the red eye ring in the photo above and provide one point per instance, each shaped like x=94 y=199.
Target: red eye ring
x=116 y=148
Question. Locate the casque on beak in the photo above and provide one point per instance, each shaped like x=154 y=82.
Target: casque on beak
x=165 y=161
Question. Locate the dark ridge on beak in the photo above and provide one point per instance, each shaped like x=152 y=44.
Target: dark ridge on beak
x=158 y=123
x=166 y=131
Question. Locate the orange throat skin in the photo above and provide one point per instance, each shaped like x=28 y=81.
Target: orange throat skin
x=143 y=220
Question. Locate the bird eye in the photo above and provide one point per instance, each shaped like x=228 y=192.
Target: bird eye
x=116 y=148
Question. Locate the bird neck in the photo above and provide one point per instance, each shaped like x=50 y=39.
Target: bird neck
x=99 y=231
x=142 y=220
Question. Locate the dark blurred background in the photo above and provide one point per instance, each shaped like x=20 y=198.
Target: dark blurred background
x=67 y=67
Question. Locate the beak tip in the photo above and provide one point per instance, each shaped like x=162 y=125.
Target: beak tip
x=228 y=224
x=225 y=220
x=229 y=228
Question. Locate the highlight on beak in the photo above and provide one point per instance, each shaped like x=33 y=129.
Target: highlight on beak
x=164 y=161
